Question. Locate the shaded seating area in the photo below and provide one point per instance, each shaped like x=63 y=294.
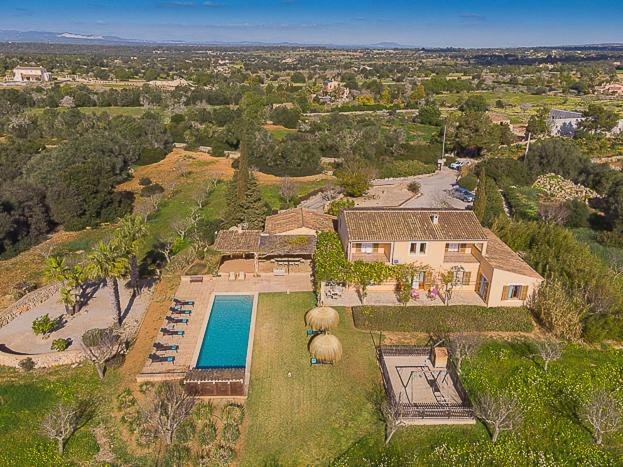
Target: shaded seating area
x=255 y=252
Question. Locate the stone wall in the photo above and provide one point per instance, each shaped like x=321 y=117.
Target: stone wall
x=27 y=303
x=43 y=360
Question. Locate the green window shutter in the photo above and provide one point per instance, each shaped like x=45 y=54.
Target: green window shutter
x=505 y=292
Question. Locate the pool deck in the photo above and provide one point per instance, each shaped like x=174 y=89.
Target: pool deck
x=202 y=293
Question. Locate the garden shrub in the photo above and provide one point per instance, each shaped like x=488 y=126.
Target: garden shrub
x=233 y=413
x=452 y=318
x=230 y=433
x=177 y=456
x=185 y=431
x=338 y=205
x=203 y=410
x=524 y=202
x=610 y=239
x=60 y=344
x=43 y=325
x=27 y=364
x=151 y=156
x=207 y=434
x=414 y=187
x=222 y=455
x=469 y=182
x=405 y=168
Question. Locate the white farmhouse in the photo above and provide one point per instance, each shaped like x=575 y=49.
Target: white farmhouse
x=31 y=73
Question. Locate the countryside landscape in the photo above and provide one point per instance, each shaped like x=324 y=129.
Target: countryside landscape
x=308 y=237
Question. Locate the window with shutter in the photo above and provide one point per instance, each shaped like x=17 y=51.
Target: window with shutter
x=466 y=277
x=505 y=292
x=524 y=292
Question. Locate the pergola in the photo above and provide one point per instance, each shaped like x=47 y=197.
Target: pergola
x=260 y=245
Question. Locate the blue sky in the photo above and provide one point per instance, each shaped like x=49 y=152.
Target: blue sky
x=430 y=23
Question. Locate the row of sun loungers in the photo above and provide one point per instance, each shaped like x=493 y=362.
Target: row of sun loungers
x=240 y=276
x=179 y=308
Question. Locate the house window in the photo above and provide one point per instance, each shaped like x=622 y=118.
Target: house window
x=418 y=248
x=367 y=247
x=515 y=292
x=453 y=247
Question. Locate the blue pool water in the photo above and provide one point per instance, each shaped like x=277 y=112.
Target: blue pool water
x=227 y=335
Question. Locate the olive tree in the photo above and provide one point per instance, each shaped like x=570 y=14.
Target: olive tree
x=168 y=409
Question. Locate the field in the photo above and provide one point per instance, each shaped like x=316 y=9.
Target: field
x=113 y=111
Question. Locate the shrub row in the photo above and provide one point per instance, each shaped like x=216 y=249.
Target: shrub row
x=453 y=318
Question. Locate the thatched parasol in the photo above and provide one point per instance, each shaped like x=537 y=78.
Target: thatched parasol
x=322 y=318
x=326 y=348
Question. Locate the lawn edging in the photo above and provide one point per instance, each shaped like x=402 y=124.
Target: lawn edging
x=453 y=318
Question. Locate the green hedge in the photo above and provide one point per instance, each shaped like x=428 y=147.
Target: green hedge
x=453 y=318
x=407 y=168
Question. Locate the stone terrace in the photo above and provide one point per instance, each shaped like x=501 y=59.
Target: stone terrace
x=201 y=292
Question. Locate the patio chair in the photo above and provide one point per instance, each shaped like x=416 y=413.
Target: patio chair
x=179 y=302
x=171 y=332
x=311 y=332
x=232 y=276
x=166 y=347
x=180 y=312
x=161 y=359
x=177 y=320
x=242 y=276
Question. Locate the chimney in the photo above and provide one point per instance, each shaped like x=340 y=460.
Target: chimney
x=434 y=218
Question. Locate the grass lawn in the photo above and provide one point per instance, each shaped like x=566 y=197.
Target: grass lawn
x=318 y=412
x=279 y=132
x=26 y=398
x=328 y=415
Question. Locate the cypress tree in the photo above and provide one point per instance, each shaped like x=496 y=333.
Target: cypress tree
x=253 y=206
x=480 y=201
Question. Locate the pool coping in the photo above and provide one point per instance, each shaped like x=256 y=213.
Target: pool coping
x=206 y=319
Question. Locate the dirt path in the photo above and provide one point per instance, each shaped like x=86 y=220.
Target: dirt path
x=154 y=316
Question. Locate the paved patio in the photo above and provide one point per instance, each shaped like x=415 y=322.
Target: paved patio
x=350 y=297
x=98 y=313
x=201 y=292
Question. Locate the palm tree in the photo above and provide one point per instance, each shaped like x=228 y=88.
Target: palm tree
x=107 y=261
x=130 y=234
x=72 y=280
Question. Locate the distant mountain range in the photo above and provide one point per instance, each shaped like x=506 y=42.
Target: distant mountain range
x=82 y=39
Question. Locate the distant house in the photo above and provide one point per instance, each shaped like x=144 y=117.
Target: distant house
x=442 y=241
x=611 y=89
x=563 y=122
x=31 y=73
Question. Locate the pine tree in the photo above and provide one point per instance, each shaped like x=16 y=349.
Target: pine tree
x=480 y=202
x=254 y=206
x=244 y=199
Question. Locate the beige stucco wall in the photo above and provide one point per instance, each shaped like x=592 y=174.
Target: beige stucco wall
x=503 y=278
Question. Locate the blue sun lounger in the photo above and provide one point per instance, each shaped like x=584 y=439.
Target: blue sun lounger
x=180 y=312
x=166 y=348
x=177 y=320
x=171 y=332
x=159 y=359
x=179 y=302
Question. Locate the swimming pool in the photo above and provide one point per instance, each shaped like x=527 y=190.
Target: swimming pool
x=226 y=336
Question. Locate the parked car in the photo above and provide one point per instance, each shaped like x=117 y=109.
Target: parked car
x=456 y=165
x=463 y=194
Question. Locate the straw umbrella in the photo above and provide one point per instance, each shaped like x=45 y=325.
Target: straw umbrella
x=322 y=318
x=326 y=348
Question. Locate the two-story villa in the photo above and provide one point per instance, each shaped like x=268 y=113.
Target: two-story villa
x=445 y=240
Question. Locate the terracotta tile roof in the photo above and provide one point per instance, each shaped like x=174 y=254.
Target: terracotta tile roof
x=296 y=219
x=501 y=256
x=254 y=241
x=400 y=224
x=293 y=245
x=237 y=241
